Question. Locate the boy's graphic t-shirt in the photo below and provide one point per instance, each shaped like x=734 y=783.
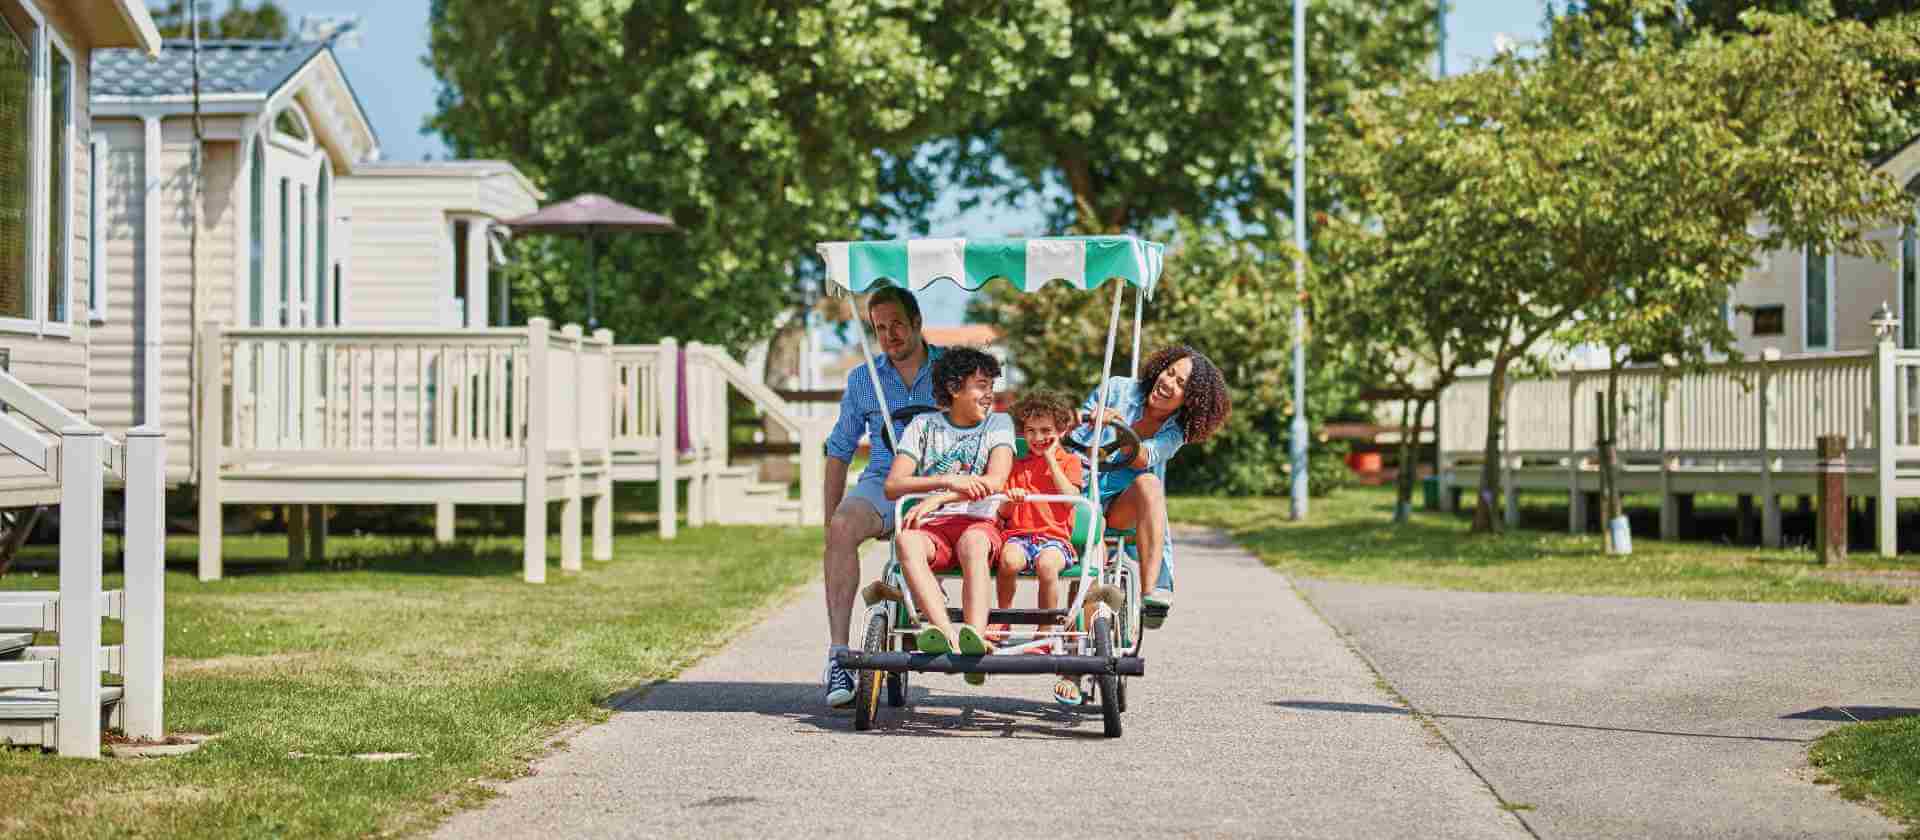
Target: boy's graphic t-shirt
x=938 y=447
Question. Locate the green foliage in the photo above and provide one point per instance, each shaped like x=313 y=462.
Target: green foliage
x=1232 y=300
x=1723 y=17
x=764 y=130
x=1144 y=109
x=760 y=130
x=265 y=21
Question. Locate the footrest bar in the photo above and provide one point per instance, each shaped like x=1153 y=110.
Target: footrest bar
x=1016 y=616
x=951 y=663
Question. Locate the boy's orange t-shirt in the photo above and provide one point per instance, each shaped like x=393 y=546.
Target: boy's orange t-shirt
x=1033 y=519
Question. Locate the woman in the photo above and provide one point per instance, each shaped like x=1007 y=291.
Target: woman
x=1179 y=398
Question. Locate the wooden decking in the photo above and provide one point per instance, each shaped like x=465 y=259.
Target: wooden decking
x=1743 y=427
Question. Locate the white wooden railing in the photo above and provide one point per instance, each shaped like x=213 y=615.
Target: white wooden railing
x=403 y=403
x=80 y=458
x=1759 y=416
x=645 y=384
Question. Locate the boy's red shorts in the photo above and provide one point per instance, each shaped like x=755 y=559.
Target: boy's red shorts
x=945 y=532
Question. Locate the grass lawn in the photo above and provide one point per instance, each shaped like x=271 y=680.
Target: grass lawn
x=1877 y=761
x=401 y=646
x=1351 y=537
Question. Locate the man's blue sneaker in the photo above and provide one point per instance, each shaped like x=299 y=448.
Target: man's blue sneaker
x=839 y=682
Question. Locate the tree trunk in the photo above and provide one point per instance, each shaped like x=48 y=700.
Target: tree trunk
x=1486 y=519
x=1411 y=410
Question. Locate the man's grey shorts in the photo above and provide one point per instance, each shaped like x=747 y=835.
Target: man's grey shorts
x=873 y=492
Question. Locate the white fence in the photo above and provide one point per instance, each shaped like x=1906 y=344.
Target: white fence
x=1746 y=427
x=478 y=416
x=54 y=695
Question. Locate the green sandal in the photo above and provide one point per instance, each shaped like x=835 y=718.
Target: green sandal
x=973 y=644
x=931 y=640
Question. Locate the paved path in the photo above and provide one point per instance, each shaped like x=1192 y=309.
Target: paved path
x=1632 y=717
x=741 y=747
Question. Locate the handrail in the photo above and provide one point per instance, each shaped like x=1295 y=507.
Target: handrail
x=758 y=392
x=1818 y=359
x=55 y=419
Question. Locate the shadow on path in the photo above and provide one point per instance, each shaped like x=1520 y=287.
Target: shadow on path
x=1853 y=714
x=1376 y=709
x=926 y=714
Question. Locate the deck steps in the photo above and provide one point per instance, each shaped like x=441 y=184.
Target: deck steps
x=12 y=645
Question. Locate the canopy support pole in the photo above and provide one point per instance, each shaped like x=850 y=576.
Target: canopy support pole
x=873 y=374
x=1100 y=413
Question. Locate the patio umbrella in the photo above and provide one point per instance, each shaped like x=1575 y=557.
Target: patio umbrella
x=591 y=215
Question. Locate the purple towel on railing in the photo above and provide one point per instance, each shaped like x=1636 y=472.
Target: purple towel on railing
x=684 y=436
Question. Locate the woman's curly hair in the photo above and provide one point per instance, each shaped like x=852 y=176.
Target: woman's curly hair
x=951 y=370
x=1036 y=404
x=1207 y=404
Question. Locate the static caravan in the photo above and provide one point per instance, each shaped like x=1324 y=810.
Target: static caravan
x=1810 y=301
x=50 y=280
x=279 y=126
x=426 y=236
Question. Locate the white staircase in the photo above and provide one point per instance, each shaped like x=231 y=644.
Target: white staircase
x=52 y=695
x=646 y=384
x=741 y=498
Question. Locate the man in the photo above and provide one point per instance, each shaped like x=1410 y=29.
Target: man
x=904 y=364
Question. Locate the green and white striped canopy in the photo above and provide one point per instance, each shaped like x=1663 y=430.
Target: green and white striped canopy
x=1083 y=262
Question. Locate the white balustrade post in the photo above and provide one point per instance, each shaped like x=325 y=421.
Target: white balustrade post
x=1769 y=436
x=443 y=521
x=145 y=549
x=1576 y=500
x=700 y=377
x=1886 y=440
x=82 y=485
x=207 y=446
x=813 y=471
x=539 y=379
x=603 y=500
x=667 y=404
x=1669 y=502
x=570 y=507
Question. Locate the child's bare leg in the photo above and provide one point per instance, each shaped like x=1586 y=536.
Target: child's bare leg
x=975 y=550
x=916 y=549
x=1047 y=568
x=1013 y=558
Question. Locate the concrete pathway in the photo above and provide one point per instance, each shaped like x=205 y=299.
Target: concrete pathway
x=740 y=745
x=1633 y=717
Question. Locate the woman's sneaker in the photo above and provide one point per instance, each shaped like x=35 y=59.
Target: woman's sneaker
x=1154 y=609
x=839 y=683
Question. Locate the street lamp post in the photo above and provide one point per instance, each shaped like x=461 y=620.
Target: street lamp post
x=1299 y=429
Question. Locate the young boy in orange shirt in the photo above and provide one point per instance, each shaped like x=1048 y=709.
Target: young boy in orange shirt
x=1039 y=534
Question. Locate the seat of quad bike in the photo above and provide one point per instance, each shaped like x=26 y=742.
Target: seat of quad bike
x=1083 y=522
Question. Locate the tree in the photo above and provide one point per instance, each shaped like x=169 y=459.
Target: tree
x=1617 y=181
x=266 y=21
x=1405 y=316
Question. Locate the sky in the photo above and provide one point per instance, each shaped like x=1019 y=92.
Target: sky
x=397 y=90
